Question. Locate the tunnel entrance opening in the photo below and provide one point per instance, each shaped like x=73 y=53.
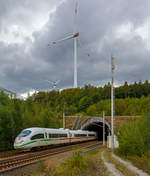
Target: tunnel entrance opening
x=98 y=127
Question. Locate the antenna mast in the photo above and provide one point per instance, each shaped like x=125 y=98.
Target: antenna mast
x=112 y=102
x=75 y=48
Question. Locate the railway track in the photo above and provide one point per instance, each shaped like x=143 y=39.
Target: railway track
x=15 y=154
x=18 y=161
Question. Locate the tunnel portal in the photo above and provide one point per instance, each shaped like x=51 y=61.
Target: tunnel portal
x=96 y=124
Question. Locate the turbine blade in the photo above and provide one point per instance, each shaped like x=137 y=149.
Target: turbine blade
x=66 y=38
x=75 y=17
x=57 y=81
x=48 y=81
x=3 y=89
x=76 y=7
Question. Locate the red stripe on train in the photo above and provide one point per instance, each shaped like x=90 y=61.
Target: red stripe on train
x=76 y=138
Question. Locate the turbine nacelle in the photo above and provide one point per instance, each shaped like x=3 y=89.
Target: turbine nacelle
x=75 y=34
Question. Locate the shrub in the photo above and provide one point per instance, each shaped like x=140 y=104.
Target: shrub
x=145 y=130
x=130 y=139
x=73 y=166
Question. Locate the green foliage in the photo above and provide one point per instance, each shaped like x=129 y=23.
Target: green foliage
x=4 y=99
x=134 y=137
x=131 y=100
x=6 y=129
x=84 y=103
x=73 y=166
x=142 y=163
x=91 y=111
x=45 y=109
x=145 y=130
x=130 y=139
x=16 y=115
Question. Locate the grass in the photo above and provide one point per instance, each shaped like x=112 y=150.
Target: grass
x=118 y=165
x=78 y=164
x=142 y=162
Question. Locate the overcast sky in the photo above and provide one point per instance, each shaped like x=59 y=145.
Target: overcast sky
x=118 y=27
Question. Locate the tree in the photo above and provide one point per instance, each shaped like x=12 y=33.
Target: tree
x=84 y=103
x=91 y=111
x=145 y=130
x=6 y=129
x=130 y=139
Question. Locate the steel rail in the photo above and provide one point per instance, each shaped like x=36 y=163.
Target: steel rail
x=21 y=161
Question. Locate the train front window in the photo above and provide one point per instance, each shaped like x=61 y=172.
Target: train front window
x=25 y=133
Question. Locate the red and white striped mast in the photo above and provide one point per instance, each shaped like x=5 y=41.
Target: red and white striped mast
x=72 y=36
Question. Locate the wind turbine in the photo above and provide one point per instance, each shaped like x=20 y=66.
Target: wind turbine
x=54 y=83
x=74 y=36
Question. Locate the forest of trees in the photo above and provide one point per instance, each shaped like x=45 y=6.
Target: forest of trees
x=16 y=115
x=45 y=109
x=131 y=99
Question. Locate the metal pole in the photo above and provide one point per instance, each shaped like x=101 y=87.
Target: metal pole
x=112 y=103
x=75 y=48
x=75 y=63
x=103 y=128
x=63 y=120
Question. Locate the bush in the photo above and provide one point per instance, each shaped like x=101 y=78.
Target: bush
x=145 y=130
x=75 y=165
x=134 y=137
x=130 y=139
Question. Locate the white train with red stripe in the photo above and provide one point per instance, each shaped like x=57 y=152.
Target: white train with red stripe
x=39 y=137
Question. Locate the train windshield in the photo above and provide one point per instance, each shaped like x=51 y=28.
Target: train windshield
x=25 y=133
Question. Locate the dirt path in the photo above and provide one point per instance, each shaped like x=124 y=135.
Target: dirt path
x=111 y=167
x=118 y=167
x=130 y=166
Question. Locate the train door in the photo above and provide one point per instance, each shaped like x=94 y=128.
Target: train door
x=46 y=138
x=43 y=141
x=70 y=137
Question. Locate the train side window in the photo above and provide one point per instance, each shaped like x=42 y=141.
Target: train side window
x=91 y=135
x=63 y=135
x=38 y=136
x=80 y=135
x=54 y=135
x=46 y=135
x=57 y=135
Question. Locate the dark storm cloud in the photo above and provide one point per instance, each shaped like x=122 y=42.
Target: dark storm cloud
x=98 y=21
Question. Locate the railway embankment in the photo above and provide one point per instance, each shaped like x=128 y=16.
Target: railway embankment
x=120 y=167
x=100 y=162
x=73 y=164
x=17 y=164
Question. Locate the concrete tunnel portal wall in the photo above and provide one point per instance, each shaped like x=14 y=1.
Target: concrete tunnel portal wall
x=96 y=124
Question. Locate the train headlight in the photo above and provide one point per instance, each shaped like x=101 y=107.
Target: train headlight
x=19 y=142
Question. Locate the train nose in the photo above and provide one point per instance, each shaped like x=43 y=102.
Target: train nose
x=18 y=143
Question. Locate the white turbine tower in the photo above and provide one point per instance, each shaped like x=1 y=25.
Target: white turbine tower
x=72 y=36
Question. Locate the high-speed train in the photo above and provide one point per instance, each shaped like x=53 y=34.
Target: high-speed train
x=35 y=137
